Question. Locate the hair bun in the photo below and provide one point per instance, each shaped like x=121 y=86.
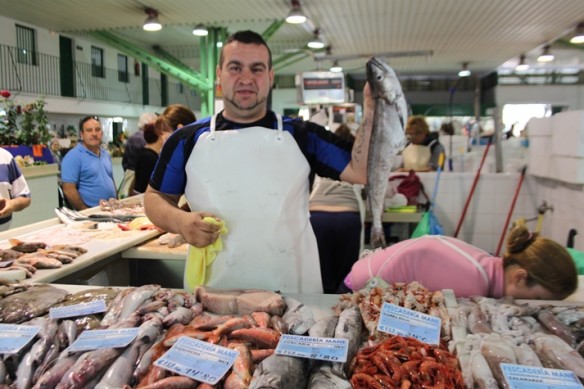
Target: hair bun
x=519 y=239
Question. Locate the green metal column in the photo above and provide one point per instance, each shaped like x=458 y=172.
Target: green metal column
x=209 y=61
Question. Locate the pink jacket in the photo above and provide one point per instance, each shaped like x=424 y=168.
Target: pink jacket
x=437 y=262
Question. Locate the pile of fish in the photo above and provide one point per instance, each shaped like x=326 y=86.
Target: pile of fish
x=30 y=256
x=411 y=295
x=249 y=321
x=488 y=332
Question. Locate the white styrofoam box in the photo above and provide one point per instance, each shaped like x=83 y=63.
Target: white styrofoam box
x=539 y=156
x=567 y=169
x=539 y=127
x=568 y=134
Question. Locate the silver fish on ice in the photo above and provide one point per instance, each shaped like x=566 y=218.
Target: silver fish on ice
x=387 y=139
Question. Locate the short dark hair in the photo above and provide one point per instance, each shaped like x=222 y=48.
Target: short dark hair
x=247 y=37
x=85 y=119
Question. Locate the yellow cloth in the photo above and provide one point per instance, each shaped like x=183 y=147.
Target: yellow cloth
x=199 y=259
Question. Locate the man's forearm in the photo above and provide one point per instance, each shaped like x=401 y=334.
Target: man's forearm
x=162 y=210
x=73 y=197
x=356 y=171
x=19 y=203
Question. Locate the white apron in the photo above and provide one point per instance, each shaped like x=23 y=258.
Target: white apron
x=256 y=180
x=416 y=156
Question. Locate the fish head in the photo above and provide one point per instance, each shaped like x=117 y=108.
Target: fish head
x=383 y=81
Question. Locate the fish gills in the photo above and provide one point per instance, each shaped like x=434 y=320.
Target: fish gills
x=387 y=139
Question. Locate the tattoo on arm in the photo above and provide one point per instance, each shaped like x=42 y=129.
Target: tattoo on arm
x=358 y=145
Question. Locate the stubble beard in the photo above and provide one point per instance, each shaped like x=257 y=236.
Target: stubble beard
x=245 y=111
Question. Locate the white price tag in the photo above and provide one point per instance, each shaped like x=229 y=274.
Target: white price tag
x=75 y=310
x=13 y=337
x=96 y=339
x=198 y=360
x=326 y=349
x=397 y=320
x=533 y=377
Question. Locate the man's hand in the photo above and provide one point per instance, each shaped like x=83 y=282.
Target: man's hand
x=5 y=208
x=197 y=232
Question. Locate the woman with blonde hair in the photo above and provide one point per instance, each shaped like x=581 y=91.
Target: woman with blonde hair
x=422 y=153
x=533 y=267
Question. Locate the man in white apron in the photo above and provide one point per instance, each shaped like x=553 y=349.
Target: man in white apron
x=250 y=168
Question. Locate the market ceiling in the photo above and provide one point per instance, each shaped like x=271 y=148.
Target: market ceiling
x=488 y=34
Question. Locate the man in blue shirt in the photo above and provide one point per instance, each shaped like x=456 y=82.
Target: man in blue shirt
x=249 y=168
x=86 y=171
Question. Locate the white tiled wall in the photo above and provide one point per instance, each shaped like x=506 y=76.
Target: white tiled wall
x=488 y=208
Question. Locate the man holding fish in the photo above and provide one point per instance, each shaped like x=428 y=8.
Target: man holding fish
x=248 y=169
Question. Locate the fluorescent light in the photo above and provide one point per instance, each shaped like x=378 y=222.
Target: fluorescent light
x=200 y=30
x=152 y=23
x=464 y=72
x=522 y=65
x=295 y=16
x=546 y=55
x=578 y=34
x=336 y=67
x=316 y=42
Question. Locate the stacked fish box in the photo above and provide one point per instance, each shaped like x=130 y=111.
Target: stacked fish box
x=540 y=137
x=567 y=148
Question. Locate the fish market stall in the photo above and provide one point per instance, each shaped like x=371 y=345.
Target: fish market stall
x=271 y=333
x=158 y=260
x=75 y=250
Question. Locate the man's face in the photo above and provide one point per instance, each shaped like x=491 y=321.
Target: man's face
x=245 y=80
x=92 y=134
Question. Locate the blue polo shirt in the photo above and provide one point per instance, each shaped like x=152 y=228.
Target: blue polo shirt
x=327 y=154
x=92 y=174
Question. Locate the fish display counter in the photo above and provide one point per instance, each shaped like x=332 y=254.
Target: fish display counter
x=272 y=332
x=75 y=247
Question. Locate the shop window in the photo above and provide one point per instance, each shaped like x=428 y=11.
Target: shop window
x=26 y=45
x=97 y=69
x=123 y=68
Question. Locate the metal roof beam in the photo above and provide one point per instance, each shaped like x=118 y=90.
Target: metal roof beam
x=190 y=77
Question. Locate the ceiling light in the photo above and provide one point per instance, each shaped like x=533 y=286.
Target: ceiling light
x=578 y=34
x=295 y=16
x=200 y=30
x=522 y=65
x=464 y=72
x=316 y=42
x=546 y=55
x=336 y=67
x=151 y=23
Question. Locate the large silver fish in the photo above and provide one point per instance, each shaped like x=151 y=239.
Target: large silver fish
x=280 y=372
x=387 y=139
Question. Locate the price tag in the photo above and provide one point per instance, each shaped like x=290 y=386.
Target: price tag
x=75 y=310
x=198 y=360
x=397 y=320
x=326 y=349
x=532 y=377
x=13 y=337
x=96 y=339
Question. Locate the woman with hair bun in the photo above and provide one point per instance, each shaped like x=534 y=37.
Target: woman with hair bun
x=174 y=117
x=533 y=267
